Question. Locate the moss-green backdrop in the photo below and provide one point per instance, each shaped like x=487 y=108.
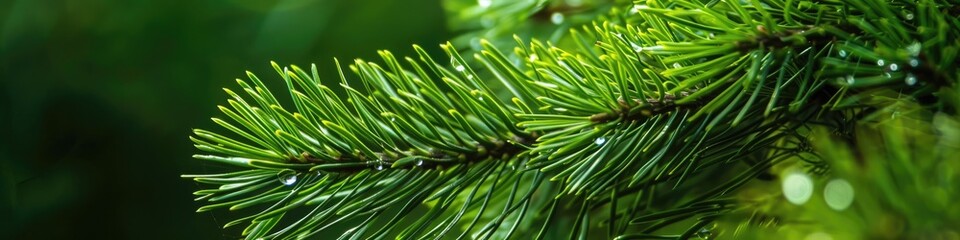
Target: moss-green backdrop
x=97 y=98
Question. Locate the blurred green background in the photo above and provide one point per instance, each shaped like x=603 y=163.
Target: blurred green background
x=97 y=99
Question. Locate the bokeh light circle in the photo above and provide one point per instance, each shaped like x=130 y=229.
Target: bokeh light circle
x=839 y=194
x=797 y=188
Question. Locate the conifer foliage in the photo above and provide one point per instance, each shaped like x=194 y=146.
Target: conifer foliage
x=658 y=119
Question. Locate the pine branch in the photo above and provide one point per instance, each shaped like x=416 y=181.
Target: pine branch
x=695 y=98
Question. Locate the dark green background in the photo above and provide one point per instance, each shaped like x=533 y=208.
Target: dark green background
x=97 y=99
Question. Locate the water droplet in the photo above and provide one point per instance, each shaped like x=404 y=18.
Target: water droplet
x=909 y=16
x=379 y=167
x=393 y=119
x=888 y=75
x=797 y=188
x=914 y=62
x=556 y=18
x=711 y=35
x=850 y=79
x=880 y=62
x=600 y=141
x=484 y=3
x=533 y=57
x=469 y=77
x=704 y=233
x=636 y=48
x=287 y=177
x=480 y=98
x=910 y=80
x=677 y=65
x=894 y=67
x=843 y=53
x=914 y=49
x=839 y=194
x=420 y=162
x=459 y=67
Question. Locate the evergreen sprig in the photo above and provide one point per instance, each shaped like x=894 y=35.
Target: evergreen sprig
x=649 y=119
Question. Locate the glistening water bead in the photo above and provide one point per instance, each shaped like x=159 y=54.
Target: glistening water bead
x=636 y=48
x=287 y=178
x=910 y=80
x=484 y=3
x=556 y=18
x=838 y=194
x=914 y=49
x=704 y=233
x=797 y=188
x=600 y=141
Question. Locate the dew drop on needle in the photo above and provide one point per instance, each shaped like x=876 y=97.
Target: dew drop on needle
x=287 y=177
